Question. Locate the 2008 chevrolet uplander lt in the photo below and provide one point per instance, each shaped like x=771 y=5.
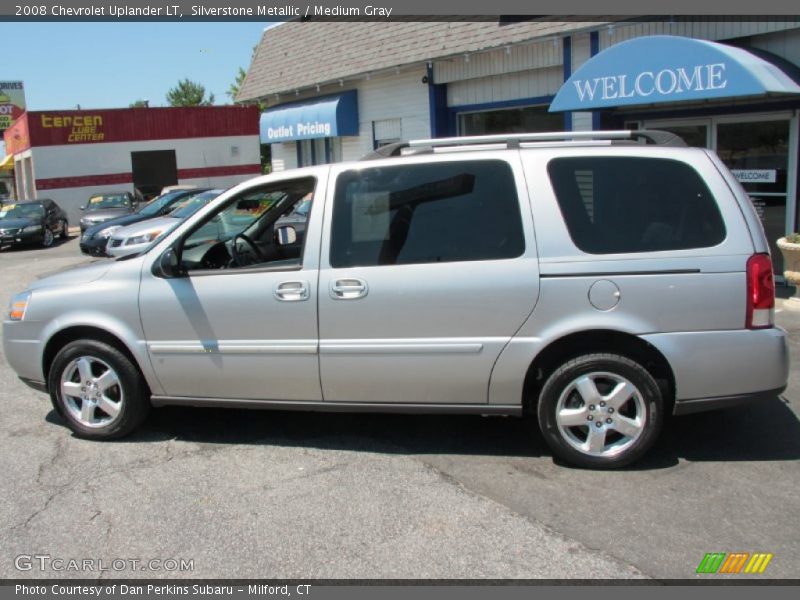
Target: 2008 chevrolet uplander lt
x=587 y=278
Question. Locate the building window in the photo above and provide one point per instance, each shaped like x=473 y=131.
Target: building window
x=528 y=119
x=321 y=151
x=385 y=132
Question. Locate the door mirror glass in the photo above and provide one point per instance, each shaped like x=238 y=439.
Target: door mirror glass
x=168 y=265
x=286 y=236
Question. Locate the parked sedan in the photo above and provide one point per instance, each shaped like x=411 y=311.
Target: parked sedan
x=106 y=206
x=95 y=238
x=32 y=222
x=135 y=238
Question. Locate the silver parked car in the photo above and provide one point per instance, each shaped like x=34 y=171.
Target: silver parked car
x=132 y=239
x=587 y=279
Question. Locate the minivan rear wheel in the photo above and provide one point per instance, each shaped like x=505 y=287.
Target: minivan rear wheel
x=600 y=411
x=97 y=390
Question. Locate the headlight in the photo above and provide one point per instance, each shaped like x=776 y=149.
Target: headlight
x=143 y=238
x=18 y=306
x=106 y=233
x=32 y=229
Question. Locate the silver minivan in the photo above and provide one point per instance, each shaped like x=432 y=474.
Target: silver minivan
x=591 y=280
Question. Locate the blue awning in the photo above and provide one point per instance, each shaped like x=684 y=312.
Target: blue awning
x=663 y=68
x=324 y=117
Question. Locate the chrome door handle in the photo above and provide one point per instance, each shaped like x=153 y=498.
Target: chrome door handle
x=291 y=291
x=349 y=289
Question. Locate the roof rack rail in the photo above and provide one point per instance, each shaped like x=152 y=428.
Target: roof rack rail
x=513 y=140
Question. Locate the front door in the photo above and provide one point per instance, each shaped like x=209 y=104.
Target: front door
x=241 y=323
x=428 y=269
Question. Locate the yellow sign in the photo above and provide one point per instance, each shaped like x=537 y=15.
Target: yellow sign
x=12 y=102
x=82 y=128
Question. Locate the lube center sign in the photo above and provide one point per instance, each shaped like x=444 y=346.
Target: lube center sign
x=662 y=68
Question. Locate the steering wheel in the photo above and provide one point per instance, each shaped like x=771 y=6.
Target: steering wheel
x=238 y=258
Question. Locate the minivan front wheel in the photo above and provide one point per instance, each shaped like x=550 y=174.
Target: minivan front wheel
x=600 y=411
x=97 y=390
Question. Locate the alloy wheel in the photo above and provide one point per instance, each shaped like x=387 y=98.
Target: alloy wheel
x=601 y=414
x=92 y=391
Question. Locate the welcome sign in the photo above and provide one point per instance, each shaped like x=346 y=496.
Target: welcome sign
x=662 y=68
x=665 y=82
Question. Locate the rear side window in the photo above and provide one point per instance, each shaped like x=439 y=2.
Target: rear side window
x=626 y=204
x=410 y=214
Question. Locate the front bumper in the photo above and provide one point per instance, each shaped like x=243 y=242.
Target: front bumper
x=21 y=238
x=94 y=246
x=22 y=348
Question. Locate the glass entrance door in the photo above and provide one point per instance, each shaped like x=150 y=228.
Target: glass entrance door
x=759 y=151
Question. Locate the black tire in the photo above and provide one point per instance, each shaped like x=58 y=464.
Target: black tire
x=605 y=371
x=130 y=390
x=64 y=230
x=47 y=237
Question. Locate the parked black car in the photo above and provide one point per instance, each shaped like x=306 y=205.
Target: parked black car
x=95 y=238
x=105 y=206
x=32 y=222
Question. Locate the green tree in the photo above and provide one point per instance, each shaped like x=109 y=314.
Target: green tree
x=234 y=88
x=189 y=93
x=139 y=104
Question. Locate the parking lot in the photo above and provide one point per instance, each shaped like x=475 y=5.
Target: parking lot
x=278 y=494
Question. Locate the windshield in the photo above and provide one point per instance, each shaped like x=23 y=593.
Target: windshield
x=21 y=211
x=154 y=207
x=102 y=201
x=191 y=205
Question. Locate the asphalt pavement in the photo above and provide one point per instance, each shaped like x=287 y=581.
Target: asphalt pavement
x=280 y=494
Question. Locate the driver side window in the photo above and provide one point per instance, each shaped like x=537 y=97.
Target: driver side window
x=258 y=228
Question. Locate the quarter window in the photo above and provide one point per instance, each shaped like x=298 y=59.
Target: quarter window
x=426 y=213
x=626 y=204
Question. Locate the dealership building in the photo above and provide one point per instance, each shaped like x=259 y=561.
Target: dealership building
x=69 y=155
x=350 y=87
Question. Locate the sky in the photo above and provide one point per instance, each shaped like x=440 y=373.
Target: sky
x=110 y=65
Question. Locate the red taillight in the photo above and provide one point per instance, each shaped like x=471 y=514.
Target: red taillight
x=760 y=292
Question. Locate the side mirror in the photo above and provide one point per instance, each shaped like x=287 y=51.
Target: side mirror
x=168 y=265
x=83 y=208
x=286 y=235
